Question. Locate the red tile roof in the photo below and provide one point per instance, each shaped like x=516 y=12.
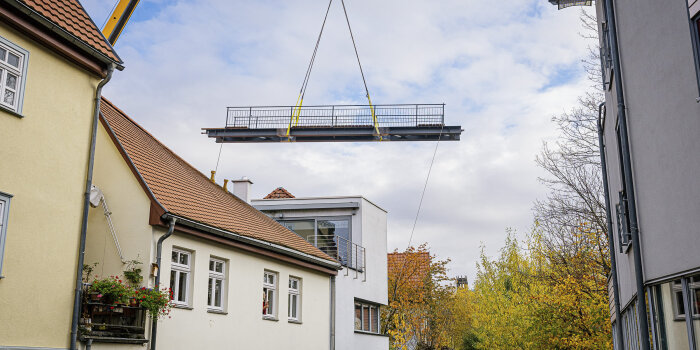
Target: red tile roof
x=70 y=16
x=413 y=266
x=279 y=192
x=185 y=192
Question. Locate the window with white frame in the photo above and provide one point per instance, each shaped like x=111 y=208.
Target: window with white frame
x=679 y=305
x=366 y=317
x=294 y=299
x=216 y=286
x=269 y=309
x=180 y=272
x=13 y=62
x=4 y=213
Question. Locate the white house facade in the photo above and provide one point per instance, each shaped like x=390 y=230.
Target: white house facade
x=353 y=230
x=239 y=279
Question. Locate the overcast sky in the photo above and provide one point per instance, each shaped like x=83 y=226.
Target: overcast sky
x=503 y=68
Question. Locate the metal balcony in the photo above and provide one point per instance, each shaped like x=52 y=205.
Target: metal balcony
x=349 y=254
x=351 y=123
x=112 y=323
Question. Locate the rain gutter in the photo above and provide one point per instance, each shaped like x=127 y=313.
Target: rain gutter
x=86 y=209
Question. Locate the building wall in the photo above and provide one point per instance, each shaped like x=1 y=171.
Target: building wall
x=661 y=88
x=44 y=157
x=369 y=230
x=371 y=285
x=242 y=327
x=130 y=207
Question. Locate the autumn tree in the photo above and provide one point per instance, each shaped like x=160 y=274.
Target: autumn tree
x=521 y=301
x=419 y=311
x=571 y=223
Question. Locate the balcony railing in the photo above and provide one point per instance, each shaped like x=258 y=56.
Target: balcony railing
x=112 y=323
x=336 y=116
x=349 y=254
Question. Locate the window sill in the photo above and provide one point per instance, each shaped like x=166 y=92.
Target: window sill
x=270 y=318
x=114 y=340
x=215 y=311
x=370 y=333
x=7 y=110
x=184 y=307
x=294 y=321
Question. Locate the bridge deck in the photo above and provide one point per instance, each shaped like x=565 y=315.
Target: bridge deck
x=336 y=123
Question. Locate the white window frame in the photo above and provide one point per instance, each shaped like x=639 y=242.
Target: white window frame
x=179 y=270
x=215 y=276
x=267 y=287
x=20 y=72
x=677 y=288
x=294 y=293
x=4 y=216
x=372 y=309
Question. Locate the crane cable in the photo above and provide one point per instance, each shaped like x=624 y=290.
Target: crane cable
x=425 y=186
x=369 y=100
x=302 y=92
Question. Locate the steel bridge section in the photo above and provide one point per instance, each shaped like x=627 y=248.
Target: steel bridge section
x=335 y=123
x=232 y=135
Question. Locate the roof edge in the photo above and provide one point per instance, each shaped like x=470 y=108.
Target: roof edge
x=256 y=242
x=93 y=52
x=324 y=197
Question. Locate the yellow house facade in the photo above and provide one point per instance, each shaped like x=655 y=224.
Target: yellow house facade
x=49 y=79
x=239 y=279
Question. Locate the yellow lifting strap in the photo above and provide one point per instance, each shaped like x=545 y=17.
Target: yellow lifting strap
x=296 y=112
x=374 y=117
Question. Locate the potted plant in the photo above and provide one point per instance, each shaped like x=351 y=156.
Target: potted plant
x=87 y=272
x=111 y=290
x=155 y=301
x=132 y=274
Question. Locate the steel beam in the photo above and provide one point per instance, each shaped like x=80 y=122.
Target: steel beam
x=331 y=134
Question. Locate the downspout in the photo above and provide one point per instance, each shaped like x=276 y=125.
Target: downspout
x=332 y=346
x=627 y=167
x=611 y=241
x=86 y=208
x=159 y=251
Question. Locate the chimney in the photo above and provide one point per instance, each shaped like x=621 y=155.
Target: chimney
x=241 y=188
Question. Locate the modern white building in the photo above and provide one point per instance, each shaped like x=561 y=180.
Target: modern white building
x=352 y=230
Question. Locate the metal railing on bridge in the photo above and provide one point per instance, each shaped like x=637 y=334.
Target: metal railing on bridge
x=336 y=116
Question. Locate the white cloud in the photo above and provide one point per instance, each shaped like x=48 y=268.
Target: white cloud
x=494 y=64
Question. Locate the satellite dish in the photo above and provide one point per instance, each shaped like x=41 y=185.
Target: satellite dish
x=95 y=196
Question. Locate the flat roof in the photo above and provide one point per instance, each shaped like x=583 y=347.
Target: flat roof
x=311 y=205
